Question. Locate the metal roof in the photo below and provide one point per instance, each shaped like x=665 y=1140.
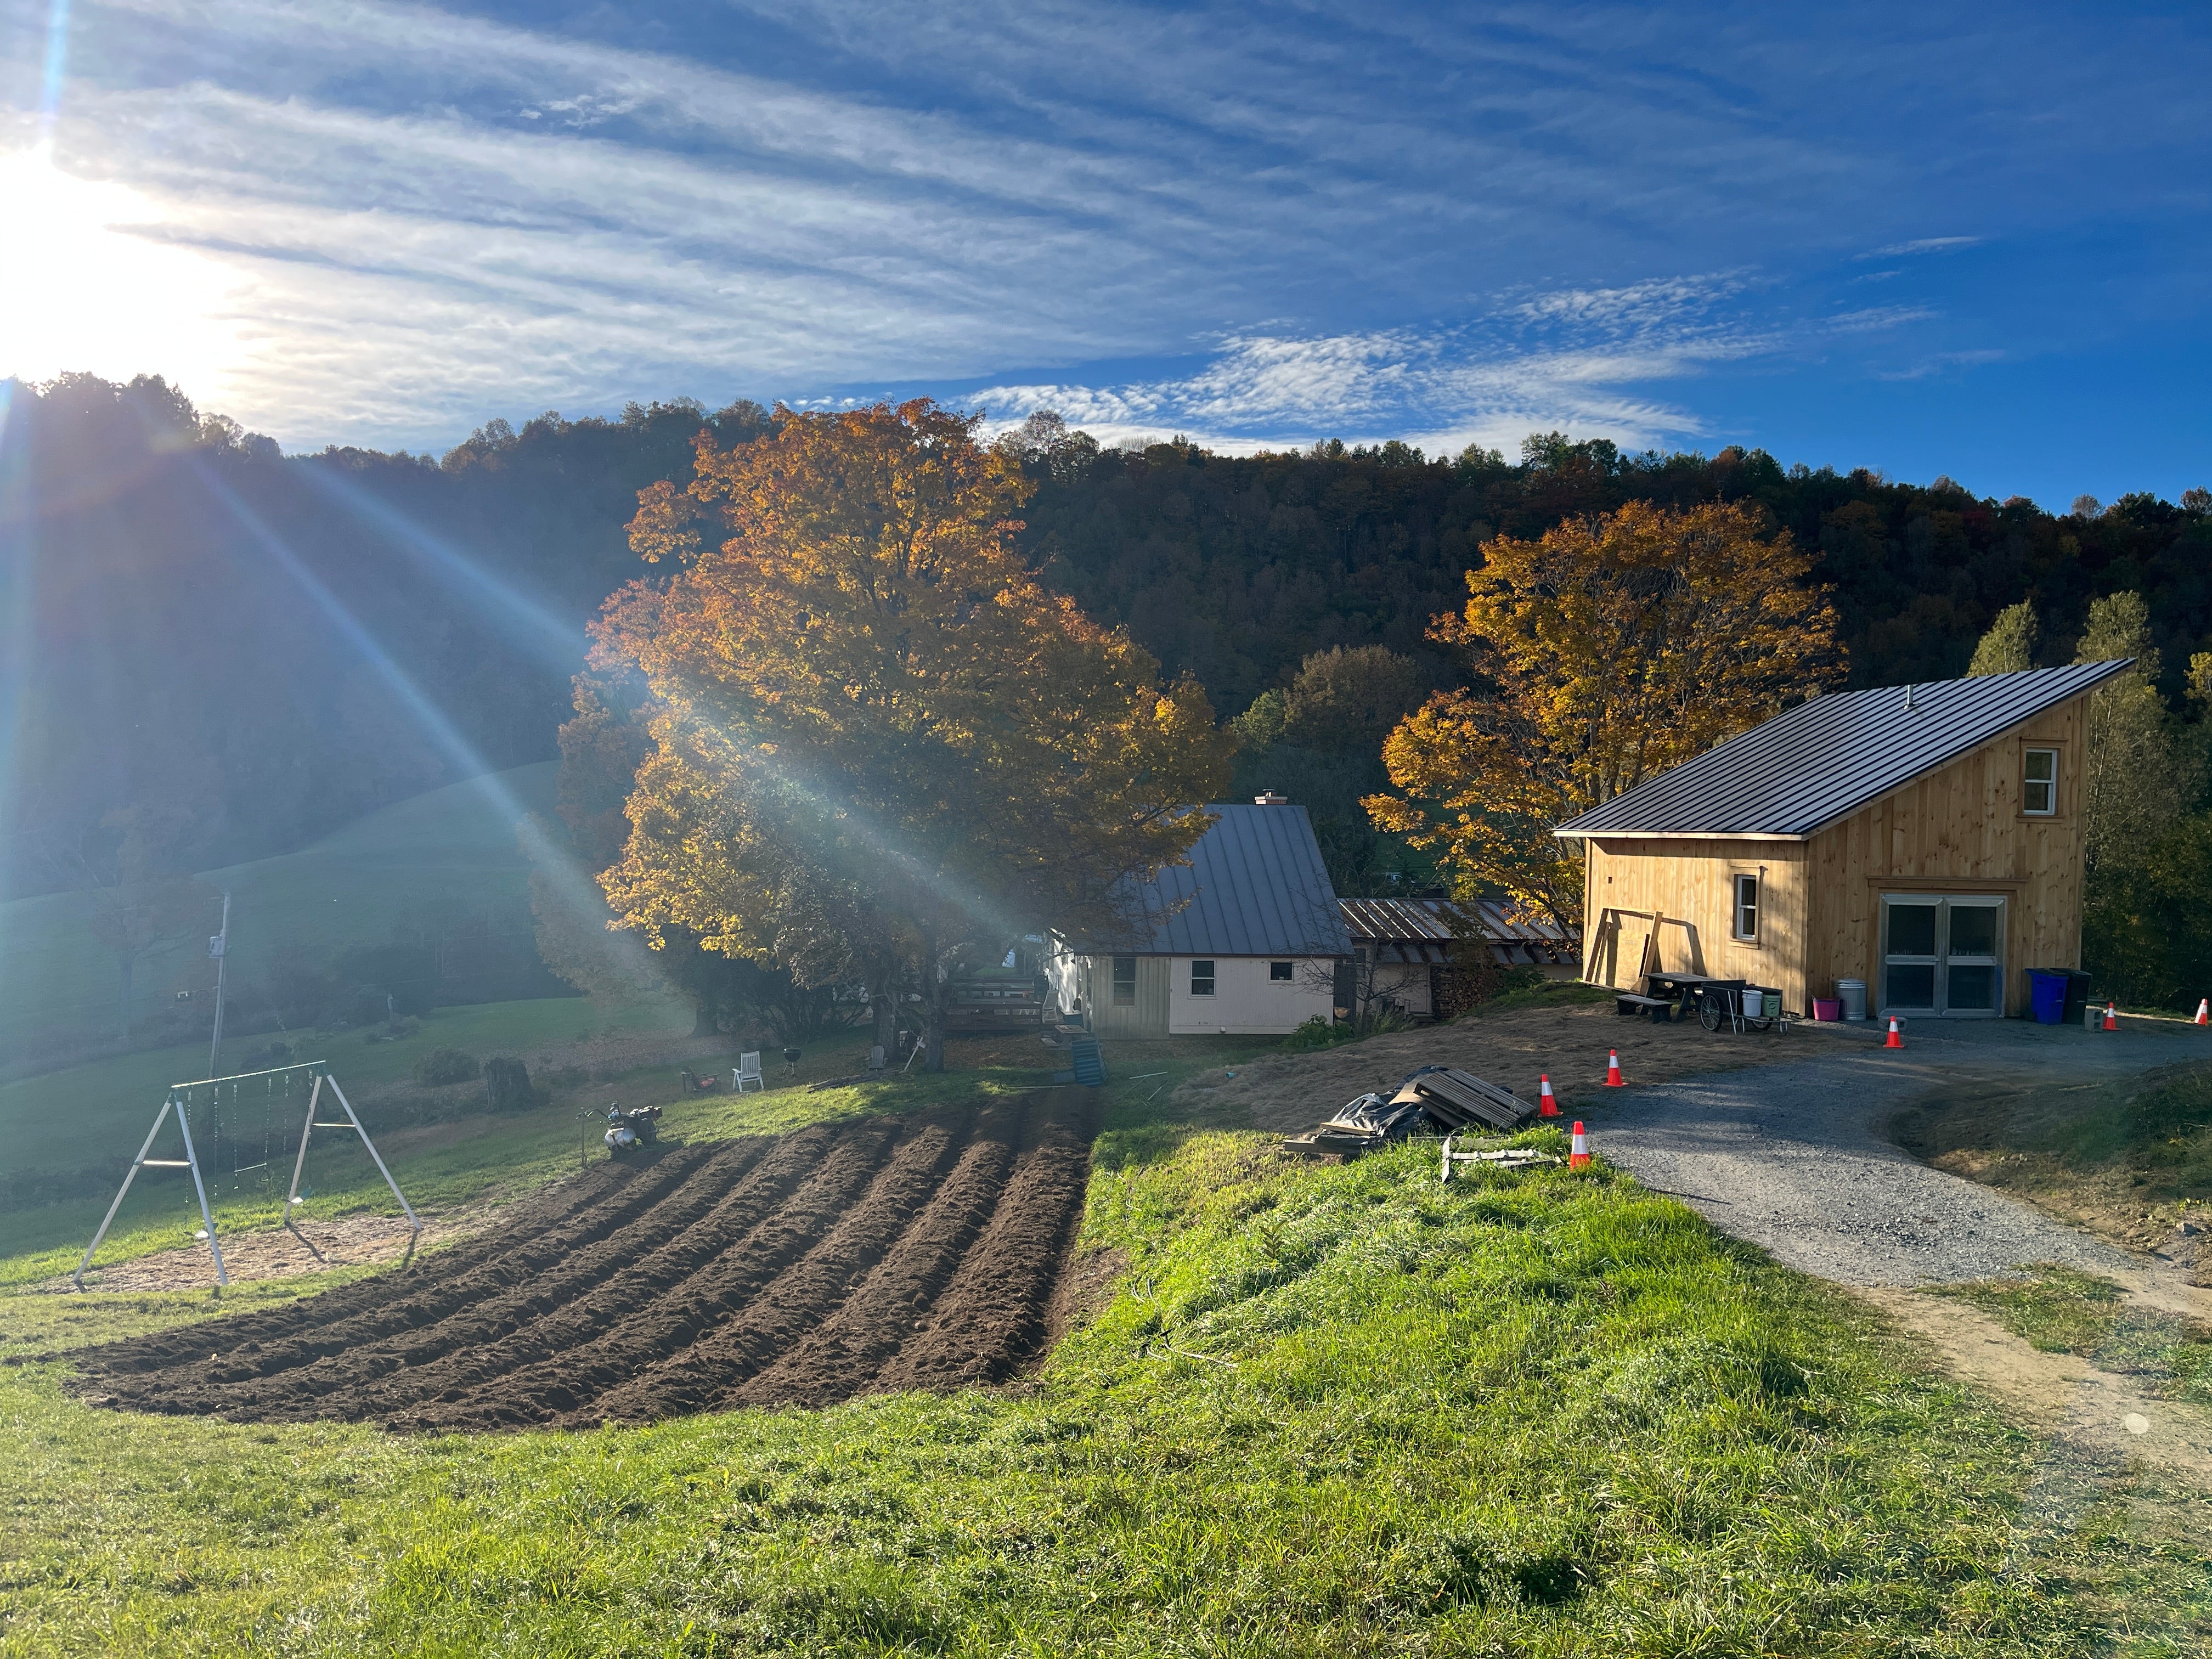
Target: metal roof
x=1827 y=758
x=1419 y=930
x=1255 y=886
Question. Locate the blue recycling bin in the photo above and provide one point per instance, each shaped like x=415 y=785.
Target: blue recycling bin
x=2046 y=996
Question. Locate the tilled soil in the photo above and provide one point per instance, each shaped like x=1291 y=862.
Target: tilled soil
x=921 y=1252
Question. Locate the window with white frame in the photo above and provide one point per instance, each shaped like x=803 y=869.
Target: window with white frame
x=1125 y=981
x=2038 y=789
x=1202 y=979
x=1745 y=924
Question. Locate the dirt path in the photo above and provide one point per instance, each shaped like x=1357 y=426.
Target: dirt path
x=1294 y=1091
x=2093 y=1417
x=921 y=1252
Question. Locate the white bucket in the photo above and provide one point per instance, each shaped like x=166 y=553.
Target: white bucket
x=1754 y=1005
x=1851 y=993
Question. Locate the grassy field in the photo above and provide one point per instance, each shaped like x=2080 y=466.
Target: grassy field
x=454 y=848
x=1341 y=1410
x=2062 y=1309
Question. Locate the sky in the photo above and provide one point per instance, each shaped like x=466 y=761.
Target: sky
x=1928 y=239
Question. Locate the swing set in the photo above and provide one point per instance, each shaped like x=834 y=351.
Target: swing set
x=230 y=1145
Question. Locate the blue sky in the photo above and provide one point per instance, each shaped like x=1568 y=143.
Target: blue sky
x=1927 y=239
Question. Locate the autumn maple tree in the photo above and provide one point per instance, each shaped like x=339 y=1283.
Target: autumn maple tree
x=1612 y=649
x=876 y=738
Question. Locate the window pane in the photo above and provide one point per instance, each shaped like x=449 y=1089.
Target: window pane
x=1973 y=930
x=1279 y=970
x=1202 y=979
x=1125 y=981
x=1912 y=932
x=2042 y=765
x=2038 y=799
x=1746 y=906
x=1971 y=987
x=1911 y=988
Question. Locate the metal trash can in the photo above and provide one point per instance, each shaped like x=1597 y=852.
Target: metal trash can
x=2046 y=995
x=1851 y=993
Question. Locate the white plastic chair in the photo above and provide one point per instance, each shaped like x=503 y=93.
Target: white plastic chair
x=748 y=1070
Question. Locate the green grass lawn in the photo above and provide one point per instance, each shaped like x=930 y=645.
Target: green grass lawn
x=2062 y=1309
x=452 y=848
x=1337 y=1411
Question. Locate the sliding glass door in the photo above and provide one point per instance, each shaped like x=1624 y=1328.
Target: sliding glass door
x=1942 y=954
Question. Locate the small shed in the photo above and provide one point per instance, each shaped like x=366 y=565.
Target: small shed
x=1924 y=839
x=1244 y=938
x=1411 y=950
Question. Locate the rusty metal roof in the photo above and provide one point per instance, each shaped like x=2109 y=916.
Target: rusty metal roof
x=1827 y=758
x=1416 y=930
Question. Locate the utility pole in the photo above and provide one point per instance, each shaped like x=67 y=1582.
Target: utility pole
x=219 y=948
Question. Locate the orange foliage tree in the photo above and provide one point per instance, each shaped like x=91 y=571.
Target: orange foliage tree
x=877 y=739
x=1609 y=651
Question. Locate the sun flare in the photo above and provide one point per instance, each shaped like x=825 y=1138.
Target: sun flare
x=87 y=281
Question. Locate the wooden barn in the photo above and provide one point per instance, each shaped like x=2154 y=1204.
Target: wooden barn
x=1925 y=839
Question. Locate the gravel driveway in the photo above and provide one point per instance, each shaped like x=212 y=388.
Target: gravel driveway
x=1790 y=1156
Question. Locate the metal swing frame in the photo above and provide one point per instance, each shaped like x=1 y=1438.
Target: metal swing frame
x=178 y=1099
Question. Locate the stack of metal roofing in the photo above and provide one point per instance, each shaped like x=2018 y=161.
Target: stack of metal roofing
x=1454 y=1100
x=1438 y=1097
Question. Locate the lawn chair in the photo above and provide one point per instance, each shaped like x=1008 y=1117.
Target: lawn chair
x=748 y=1070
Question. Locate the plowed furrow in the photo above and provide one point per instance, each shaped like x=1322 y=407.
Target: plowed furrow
x=879 y=1253
x=840 y=1356
x=430 y=1296
x=332 y=1385
x=502 y=1344
x=557 y=1386
x=990 y=1319
x=706 y=1374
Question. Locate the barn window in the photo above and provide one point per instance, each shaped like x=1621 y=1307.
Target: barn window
x=1202 y=979
x=2038 y=795
x=1125 y=981
x=1279 y=970
x=1746 y=906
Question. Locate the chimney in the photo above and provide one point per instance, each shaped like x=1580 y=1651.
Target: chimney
x=1269 y=798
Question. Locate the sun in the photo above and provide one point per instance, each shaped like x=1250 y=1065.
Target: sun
x=91 y=279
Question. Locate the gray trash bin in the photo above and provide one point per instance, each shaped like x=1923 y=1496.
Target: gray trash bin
x=1851 y=993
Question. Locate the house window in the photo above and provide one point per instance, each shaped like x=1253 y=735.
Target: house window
x=2039 y=793
x=1202 y=979
x=1279 y=970
x=1746 y=925
x=1125 y=981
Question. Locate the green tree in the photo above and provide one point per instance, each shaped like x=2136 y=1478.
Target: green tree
x=2138 y=775
x=2008 y=647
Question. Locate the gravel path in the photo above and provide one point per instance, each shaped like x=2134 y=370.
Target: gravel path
x=1790 y=1157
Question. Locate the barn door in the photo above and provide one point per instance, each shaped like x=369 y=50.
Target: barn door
x=1942 y=954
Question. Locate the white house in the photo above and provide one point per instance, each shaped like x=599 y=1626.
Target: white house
x=1246 y=938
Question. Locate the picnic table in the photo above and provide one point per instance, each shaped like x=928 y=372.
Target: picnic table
x=1716 y=1001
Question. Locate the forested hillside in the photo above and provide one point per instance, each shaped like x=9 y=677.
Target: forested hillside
x=251 y=649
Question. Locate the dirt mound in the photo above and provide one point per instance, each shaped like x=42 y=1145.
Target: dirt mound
x=887 y=1253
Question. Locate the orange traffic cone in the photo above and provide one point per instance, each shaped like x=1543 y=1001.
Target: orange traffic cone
x=1613 y=1077
x=1896 y=1039
x=1547 y=1107
x=2111 y=1018
x=2204 y=1011
x=1579 y=1149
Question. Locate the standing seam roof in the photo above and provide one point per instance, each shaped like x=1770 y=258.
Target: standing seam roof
x=1256 y=887
x=1827 y=758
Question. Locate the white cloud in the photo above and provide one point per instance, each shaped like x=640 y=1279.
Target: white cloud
x=1924 y=244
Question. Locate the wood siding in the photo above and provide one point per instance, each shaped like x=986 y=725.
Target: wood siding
x=1958 y=830
x=1680 y=895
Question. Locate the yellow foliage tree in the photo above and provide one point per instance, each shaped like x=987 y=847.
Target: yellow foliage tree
x=1609 y=651
x=878 y=739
